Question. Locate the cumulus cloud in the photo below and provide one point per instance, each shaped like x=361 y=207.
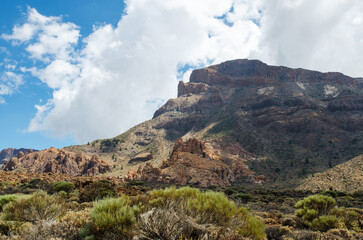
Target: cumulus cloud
x=46 y=37
x=118 y=75
x=325 y=35
x=9 y=84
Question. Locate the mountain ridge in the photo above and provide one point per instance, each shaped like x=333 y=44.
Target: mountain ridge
x=286 y=123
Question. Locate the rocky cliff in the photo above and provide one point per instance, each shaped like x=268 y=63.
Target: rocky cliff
x=7 y=153
x=194 y=162
x=288 y=123
x=57 y=161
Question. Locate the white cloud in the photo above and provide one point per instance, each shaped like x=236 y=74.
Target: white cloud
x=324 y=35
x=122 y=73
x=47 y=37
x=9 y=84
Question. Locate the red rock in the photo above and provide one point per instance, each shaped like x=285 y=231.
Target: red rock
x=58 y=161
x=191 y=163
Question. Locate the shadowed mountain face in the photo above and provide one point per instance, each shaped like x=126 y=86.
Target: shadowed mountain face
x=286 y=123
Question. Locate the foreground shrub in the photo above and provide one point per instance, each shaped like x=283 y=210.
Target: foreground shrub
x=324 y=223
x=33 y=208
x=253 y=228
x=304 y=235
x=114 y=215
x=78 y=219
x=196 y=210
x=314 y=206
x=5 y=199
x=166 y=224
x=276 y=232
x=319 y=212
x=207 y=207
x=47 y=230
x=97 y=190
x=313 y=210
x=63 y=186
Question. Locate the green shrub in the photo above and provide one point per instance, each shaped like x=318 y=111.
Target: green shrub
x=324 y=223
x=63 y=186
x=244 y=197
x=35 y=184
x=206 y=208
x=319 y=212
x=5 y=199
x=330 y=193
x=314 y=206
x=230 y=191
x=33 y=208
x=97 y=190
x=254 y=228
x=348 y=217
x=135 y=183
x=114 y=215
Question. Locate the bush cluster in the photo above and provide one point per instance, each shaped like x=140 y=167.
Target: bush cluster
x=319 y=212
x=36 y=207
x=63 y=186
x=172 y=213
x=96 y=211
x=97 y=190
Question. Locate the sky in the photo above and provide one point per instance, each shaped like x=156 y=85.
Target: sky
x=76 y=71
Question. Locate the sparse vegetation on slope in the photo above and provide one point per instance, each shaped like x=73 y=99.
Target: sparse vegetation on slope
x=136 y=211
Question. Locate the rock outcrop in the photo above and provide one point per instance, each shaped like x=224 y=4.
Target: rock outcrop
x=55 y=160
x=143 y=157
x=192 y=163
x=7 y=153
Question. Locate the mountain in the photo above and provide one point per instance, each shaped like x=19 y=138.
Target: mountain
x=252 y=123
x=7 y=153
x=291 y=122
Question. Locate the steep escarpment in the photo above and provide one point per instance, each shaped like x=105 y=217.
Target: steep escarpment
x=290 y=123
x=57 y=161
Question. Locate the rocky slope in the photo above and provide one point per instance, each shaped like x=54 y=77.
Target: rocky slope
x=7 y=153
x=345 y=177
x=57 y=161
x=289 y=123
x=197 y=163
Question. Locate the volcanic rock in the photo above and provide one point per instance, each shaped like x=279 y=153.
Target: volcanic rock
x=54 y=160
x=8 y=153
x=192 y=163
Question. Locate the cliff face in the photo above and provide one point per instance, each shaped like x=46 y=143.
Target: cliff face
x=282 y=123
x=57 y=161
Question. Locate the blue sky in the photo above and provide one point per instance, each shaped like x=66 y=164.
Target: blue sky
x=16 y=113
x=80 y=70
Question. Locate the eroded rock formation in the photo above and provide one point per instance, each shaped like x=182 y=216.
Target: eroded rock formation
x=192 y=163
x=54 y=160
